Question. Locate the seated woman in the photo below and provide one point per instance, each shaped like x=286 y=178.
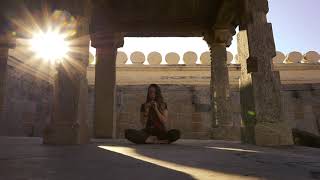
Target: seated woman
x=153 y=115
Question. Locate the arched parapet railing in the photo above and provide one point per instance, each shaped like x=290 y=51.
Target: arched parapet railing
x=122 y=58
x=191 y=58
x=311 y=57
x=205 y=58
x=229 y=57
x=154 y=58
x=137 y=58
x=293 y=57
x=172 y=58
x=279 y=58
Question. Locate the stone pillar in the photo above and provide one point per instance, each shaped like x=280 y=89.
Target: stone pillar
x=223 y=128
x=68 y=123
x=259 y=84
x=105 y=83
x=5 y=44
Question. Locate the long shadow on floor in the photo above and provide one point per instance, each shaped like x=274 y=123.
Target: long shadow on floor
x=224 y=160
x=25 y=160
x=21 y=159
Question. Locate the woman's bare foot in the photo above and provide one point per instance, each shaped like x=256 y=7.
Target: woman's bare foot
x=162 y=142
x=155 y=140
x=151 y=140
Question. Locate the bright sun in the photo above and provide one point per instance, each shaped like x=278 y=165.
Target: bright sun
x=50 y=46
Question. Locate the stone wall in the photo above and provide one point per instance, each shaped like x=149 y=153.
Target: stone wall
x=28 y=95
x=189 y=108
x=28 y=101
x=185 y=88
x=301 y=106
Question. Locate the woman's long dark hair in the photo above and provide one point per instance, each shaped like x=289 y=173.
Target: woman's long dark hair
x=159 y=98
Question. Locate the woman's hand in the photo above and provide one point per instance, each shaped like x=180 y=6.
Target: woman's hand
x=155 y=105
x=147 y=107
x=163 y=114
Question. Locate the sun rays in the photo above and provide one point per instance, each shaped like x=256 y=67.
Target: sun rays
x=50 y=46
x=49 y=40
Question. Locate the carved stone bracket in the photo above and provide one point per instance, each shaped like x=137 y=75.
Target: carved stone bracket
x=101 y=40
x=219 y=36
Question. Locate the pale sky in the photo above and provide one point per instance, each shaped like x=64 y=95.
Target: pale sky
x=296 y=25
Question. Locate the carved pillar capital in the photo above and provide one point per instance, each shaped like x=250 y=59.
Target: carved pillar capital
x=219 y=37
x=107 y=40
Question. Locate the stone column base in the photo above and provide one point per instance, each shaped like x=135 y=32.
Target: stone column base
x=66 y=135
x=247 y=134
x=267 y=134
x=229 y=133
x=273 y=134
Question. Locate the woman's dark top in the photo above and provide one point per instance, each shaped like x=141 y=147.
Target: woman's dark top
x=153 y=121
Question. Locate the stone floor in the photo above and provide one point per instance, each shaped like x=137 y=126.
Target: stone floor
x=28 y=159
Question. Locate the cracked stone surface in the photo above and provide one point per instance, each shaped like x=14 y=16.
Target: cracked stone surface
x=27 y=158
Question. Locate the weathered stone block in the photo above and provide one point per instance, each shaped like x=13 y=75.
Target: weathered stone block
x=273 y=134
x=196 y=127
x=231 y=133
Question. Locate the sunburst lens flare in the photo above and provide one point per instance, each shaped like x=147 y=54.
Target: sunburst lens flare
x=51 y=46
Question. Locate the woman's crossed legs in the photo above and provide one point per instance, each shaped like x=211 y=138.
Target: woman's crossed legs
x=147 y=136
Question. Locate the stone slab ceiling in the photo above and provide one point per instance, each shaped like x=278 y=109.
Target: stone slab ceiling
x=133 y=17
x=154 y=16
